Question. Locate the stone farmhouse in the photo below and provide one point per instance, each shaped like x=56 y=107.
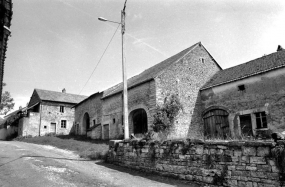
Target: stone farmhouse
x=248 y=99
x=100 y=115
x=49 y=112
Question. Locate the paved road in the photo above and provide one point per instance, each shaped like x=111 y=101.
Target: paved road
x=30 y=165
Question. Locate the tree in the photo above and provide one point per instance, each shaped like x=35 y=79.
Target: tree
x=7 y=102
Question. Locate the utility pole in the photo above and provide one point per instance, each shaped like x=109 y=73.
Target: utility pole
x=125 y=84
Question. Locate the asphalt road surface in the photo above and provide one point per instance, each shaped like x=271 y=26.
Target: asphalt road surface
x=30 y=165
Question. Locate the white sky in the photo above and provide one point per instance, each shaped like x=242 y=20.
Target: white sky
x=55 y=44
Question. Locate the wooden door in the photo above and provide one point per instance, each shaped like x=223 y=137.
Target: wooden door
x=52 y=128
x=216 y=124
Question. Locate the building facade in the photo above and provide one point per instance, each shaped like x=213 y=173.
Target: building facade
x=182 y=74
x=246 y=100
x=49 y=112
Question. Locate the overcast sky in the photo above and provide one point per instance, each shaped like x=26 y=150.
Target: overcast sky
x=56 y=44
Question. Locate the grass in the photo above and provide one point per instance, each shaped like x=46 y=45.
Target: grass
x=85 y=147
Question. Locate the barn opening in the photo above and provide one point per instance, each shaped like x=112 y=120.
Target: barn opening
x=216 y=123
x=139 y=121
x=86 y=123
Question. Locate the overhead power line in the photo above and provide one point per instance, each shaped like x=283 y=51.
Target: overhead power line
x=99 y=60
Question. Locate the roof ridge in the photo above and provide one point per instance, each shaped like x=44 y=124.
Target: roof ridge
x=260 y=65
x=59 y=92
x=151 y=75
x=189 y=49
x=252 y=60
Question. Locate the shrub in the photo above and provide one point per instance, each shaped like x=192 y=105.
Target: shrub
x=278 y=153
x=165 y=115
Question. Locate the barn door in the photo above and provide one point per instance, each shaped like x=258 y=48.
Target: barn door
x=216 y=123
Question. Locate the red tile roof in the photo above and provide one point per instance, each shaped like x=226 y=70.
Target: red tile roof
x=253 y=67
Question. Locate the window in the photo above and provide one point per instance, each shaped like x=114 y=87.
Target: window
x=261 y=121
x=94 y=122
x=61 y=109
x=45 y=127
x=114 y=120
x=202 y=60
x=63 y=124
x=241 y=88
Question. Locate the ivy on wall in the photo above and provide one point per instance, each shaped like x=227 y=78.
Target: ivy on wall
x=165 y=114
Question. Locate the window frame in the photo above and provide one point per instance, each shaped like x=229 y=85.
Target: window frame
x=261 y=120
x=63 y=124
x=61 y=109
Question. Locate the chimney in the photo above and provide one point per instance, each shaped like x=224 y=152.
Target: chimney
x=279 y=48
x=63 y=90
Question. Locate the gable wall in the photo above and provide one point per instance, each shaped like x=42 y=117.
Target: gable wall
x=34 y=99
x=141 y=96
x=186 y=78
x=92 y=106
x=264 y=92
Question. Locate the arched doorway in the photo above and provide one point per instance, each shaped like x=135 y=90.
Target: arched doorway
x=216 y=123
x=139 y=121
x=86 y=123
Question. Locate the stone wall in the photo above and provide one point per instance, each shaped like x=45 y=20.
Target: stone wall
x=29 y=126
x=50 y=113
x=185 y=78
x=263 y=93
x=93 y=107
x=139 y=97
x=248 y=164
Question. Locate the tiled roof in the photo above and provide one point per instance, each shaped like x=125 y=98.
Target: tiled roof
x=253 y=67
x=95 y=94
x=47 y=95
x=149 y=73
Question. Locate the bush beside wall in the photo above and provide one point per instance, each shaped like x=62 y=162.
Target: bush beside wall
x=213 y=163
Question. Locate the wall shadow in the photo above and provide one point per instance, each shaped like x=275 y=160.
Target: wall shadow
x=32 y=156
x=196 y=126
x=83 y=138
x=148 y=175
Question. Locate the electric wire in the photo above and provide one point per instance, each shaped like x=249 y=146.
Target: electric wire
x=99 y=60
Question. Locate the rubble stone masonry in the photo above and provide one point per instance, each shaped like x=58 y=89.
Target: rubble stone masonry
x=140 y=97
x=234 y=163
x=185 y=78
x=263 y=92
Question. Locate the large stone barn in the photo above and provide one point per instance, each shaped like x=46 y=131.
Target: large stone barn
x=183 y=74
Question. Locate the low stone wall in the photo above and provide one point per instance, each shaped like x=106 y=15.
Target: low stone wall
x=214 y=163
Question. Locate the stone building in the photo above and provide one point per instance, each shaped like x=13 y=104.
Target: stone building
x=5 y=23
x=182 y=74
x=88 y=116
x=49 y=112
x=248 y=99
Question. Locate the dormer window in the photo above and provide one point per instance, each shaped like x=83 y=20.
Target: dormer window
x=202 y=60
x=241 y=88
